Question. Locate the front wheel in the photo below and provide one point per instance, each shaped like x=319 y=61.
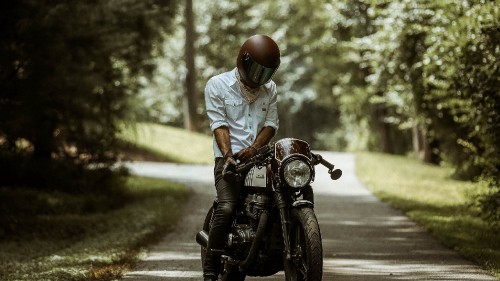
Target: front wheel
x=305 y=245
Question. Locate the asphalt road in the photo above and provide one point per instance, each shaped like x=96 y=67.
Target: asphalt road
x=363 y=238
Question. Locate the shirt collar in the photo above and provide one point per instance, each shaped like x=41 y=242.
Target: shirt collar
x=234 y=80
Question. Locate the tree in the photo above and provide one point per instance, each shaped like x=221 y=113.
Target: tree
x=190 y=82
x=390 y=76
x=69 y=73
x=221 y=31
x=462 y=79
x=432 y=67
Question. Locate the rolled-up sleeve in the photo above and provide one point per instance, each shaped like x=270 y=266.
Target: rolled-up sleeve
x=272 y=119
x=214 y=105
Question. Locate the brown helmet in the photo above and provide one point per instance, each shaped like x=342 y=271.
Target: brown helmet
x=258 y=60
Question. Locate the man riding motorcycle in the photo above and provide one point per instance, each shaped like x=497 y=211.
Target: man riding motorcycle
x=242 y=107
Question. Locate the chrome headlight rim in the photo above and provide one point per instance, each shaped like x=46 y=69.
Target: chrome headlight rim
x=291 y=159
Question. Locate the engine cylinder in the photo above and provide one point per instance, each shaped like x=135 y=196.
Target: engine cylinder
x=255 y=203
x=241 y=234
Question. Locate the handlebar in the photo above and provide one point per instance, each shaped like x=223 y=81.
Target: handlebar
x=322 y=161
x=263 y=153
x=233 y=173
x=335 y=174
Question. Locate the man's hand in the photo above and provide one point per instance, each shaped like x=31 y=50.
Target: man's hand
x=229 y=167
x=245 y=154
x=229 y=160
x=263 y=138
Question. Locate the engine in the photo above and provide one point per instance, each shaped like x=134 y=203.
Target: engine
x=255 y=204
x=243 y=232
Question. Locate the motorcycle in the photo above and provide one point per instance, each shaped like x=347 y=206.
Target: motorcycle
x=275 y=227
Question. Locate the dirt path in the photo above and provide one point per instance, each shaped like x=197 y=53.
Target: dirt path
x=363 y=239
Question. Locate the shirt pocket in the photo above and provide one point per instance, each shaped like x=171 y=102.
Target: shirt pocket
x=262 y=107
x=234 y=109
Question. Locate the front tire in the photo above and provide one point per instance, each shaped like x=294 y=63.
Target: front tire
x=305 y=246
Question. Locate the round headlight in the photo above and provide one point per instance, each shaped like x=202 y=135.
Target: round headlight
x=297 y=173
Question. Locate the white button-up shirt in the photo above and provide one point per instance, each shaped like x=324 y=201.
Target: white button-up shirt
x=226 y=106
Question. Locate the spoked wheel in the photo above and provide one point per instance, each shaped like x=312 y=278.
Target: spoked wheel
x=306 y=249
x=226 y=275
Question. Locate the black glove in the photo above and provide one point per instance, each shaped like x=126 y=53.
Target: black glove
x=246 y=154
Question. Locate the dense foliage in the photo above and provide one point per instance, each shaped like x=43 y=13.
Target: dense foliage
x=391 y=76
x=69 y=73
x=400 y=75
x=434 y=68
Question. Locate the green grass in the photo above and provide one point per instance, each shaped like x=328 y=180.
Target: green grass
x=96 y=234
x=445 y=207
x=49 y=235
x=175 y=144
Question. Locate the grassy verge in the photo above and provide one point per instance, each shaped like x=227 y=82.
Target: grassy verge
x=430 y=197
x=49 y=235
x=174 y=144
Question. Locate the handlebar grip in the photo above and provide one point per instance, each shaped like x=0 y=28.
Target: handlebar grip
x=229 y=172
x=327 y=164
x=335 y=174
x=323 y=162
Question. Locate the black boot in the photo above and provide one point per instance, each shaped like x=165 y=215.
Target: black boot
x=209 y=278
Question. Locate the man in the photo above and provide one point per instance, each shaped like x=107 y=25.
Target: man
x=242 y=107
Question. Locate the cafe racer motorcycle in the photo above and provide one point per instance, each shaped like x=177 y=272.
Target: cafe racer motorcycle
x=275 y=227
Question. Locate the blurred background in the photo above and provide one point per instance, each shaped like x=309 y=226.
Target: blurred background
x=399 y=77
x=84 y=84
x=418 y=77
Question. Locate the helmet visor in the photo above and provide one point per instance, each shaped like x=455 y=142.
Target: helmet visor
x=257 y=73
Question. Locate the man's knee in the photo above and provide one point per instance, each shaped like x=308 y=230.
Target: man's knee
x=226 y=210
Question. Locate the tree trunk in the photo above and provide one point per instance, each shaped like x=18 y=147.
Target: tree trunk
x=425 y=147
x=418 y=141
x=190 y=82
x=383 y=129
x=431 y=150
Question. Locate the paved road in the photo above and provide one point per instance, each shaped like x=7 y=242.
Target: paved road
x=363 y=239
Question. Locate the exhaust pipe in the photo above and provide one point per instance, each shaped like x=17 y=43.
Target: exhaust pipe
x=202 y=238
x=254 y=249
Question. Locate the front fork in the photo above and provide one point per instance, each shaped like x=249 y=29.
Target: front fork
x=284 y=207
x=285 y=223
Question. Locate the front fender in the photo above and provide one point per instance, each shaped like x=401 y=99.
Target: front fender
x=302 y=203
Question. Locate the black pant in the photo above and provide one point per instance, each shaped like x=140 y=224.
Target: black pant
x=227 y=195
